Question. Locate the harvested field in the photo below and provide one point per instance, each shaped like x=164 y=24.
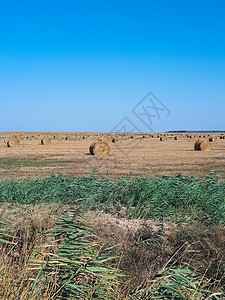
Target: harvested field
x=135 y=156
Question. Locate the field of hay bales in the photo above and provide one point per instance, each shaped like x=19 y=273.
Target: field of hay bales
x=102 y=216
x=136 y=154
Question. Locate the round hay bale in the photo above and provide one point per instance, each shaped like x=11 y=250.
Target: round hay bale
x=201 y=145
x=46 y=140
x=104 y=138
x=163 y=138
x=213 y=139
x=6 y=139
x=99 y=148
x=115 y=139
x=177 y=137
x=13 y=141
x=68 y=138
x=19 y=136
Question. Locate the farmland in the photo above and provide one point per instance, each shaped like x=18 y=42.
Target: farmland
x=137 y=156
x=144 y=222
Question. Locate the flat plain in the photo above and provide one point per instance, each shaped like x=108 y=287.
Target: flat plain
x=130 y=155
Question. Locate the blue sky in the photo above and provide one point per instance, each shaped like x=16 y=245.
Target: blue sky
x=83 y=65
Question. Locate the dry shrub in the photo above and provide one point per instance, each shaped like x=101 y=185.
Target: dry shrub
x=213 y=139
x=99 y=148
x=25 y=227
x=163 y=138
x=201 y=145
x=13 y=141
x=146 y=247
x=203 y=250
x=68 y=138
x=46 y=140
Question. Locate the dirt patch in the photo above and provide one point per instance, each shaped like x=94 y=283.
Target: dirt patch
x=117 y=230
x=146 y=247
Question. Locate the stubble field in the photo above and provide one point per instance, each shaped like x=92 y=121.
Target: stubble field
x=137 y=156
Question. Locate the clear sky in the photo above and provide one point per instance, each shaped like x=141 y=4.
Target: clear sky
x=83 y=65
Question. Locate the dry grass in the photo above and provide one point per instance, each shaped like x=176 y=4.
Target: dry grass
x=138 y=156
x=17 y=270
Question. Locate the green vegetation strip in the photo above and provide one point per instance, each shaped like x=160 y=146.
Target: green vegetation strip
x=12 y=164
x=177 y=198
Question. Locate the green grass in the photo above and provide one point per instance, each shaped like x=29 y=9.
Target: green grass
x=12 y=164
x=177 y=198
x=59 y=258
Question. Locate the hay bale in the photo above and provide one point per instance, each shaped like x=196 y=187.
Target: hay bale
x=105 y=138
x=19 y=136
x=13 y=141
x=163 y=138
x=177 y=137
x=46 y=140
x=202 y=145
x=6 y=139
x=68 y=138
x=213 y=139
x=115 y=139
x=99 y=148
